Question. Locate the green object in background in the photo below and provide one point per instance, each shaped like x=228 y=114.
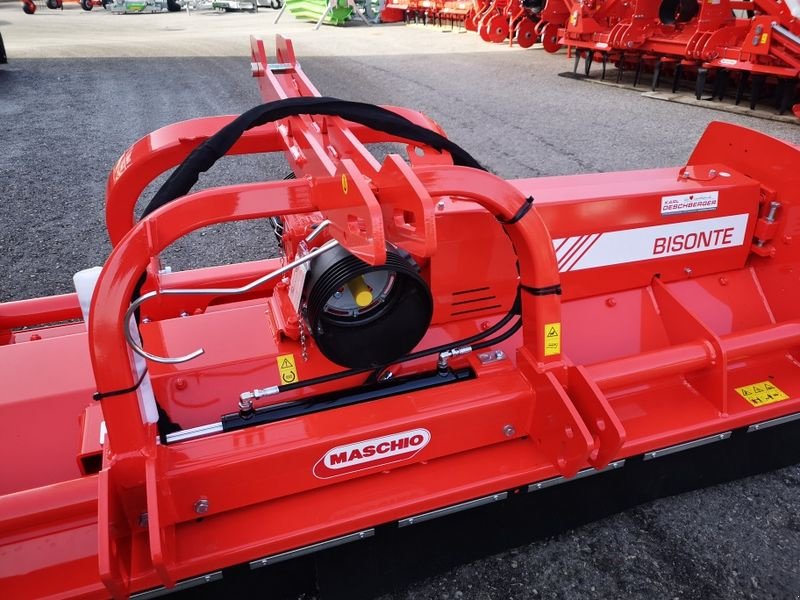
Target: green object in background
x=312 y=10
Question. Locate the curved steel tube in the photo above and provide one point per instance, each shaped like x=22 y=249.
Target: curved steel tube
x=137 y=348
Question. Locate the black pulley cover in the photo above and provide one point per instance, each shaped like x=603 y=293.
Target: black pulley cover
x=363 y=316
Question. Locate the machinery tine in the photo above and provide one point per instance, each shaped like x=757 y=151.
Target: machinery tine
x=724 y=76
x=587 y=66
x=756 y=89
x=720 y=83
x=621 y=67
x=700 y=84
x=743 y=77
x=780 y=88
x=676 y=77
x=787 y=97
x=605 y=61
x=638 y=70
x=577 y=60
x=656 y=75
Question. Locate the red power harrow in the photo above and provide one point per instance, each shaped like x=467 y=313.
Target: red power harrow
x=433 y=339
x=750 y=46
x=495 y=20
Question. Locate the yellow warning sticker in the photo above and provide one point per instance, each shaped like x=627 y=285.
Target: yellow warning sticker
x=287 y=368
x=764 y=38
x=344 y=183
x=762 y=393
x=552 y=339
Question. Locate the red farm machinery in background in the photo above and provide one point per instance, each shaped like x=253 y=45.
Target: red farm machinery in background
x=29 y=6
x=494 y=20
x=739 y=48
x=749 y=47
x=432 y=339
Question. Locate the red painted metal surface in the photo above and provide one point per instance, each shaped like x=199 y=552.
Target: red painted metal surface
x=648 y=298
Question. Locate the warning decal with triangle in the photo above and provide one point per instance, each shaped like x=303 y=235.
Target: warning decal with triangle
x=759 y=394
x=287 y=369
x=552 y=339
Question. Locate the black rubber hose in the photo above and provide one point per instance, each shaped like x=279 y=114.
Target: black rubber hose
x=202 y=158
x=470 y=341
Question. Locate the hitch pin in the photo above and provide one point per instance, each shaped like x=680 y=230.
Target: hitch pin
x=330 y=244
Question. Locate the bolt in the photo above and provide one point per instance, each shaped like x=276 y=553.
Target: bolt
x=723 y=281
x=181 y=384
x=509 y=431
x=184 y=314
x=440 y=205
x=201 y=506
x=773 y=208
x=145 y=320
x=611 y=302
x=143 y=520
x=688 y=271
x=35 y=337
x=499 y=355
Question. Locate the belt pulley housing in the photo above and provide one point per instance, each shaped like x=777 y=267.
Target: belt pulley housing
x=365 y=316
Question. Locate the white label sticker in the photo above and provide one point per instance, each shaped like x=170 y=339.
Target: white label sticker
x=296 y=284
x=689 y=203
x=727 y=61
x=647 y=243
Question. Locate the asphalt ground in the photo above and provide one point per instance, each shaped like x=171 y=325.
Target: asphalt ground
x=81 y=87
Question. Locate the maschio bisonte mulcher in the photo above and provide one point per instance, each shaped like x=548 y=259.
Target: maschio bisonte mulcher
x=433 y=339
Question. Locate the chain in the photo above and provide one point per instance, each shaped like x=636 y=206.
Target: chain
x=303 y=346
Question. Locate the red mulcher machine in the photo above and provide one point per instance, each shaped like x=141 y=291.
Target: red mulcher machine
x=433 y=339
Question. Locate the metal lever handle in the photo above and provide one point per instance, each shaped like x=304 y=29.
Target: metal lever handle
x=137 y=348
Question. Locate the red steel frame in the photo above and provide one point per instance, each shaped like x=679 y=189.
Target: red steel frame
x=646 y=362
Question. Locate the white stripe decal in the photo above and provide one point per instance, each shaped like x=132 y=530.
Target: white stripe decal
x=646 y=243
x=592 y=239
x=564 y=246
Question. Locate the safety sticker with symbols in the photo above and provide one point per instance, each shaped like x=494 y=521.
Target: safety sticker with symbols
x=762 y=393
x=552 y=339
x=287 y=368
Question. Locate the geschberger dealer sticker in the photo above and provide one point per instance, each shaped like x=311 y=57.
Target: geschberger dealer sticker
x=762 y=393
x=689 y=203
x=374 y=452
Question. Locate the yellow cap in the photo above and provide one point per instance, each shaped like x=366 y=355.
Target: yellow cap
x=362 y=293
